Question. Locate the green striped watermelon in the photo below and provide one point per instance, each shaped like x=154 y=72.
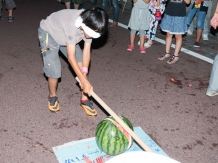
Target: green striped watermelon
x=111 y=138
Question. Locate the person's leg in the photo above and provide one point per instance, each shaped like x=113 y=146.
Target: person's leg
x=205 y=31
x=207 y=21
x=175 y=56
x=10 y=5
x=189 y=18
x=191 y=27
x=142 y=40
x=52 y=66
x=116 y=12
x=1 y=10
x=212 y=89
x=132 y=38
x=105 y=5
x=76 y=4
x=67 y=4
x=200 y=26
x=152 y=32
x=168 y=46
x=52 y=85
x=85 y=103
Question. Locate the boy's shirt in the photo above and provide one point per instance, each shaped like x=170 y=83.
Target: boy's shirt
x=61 y=26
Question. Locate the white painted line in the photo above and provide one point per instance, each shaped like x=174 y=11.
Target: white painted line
x=197 y=55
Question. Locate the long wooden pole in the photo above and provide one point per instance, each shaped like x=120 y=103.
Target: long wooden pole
x=117 y=118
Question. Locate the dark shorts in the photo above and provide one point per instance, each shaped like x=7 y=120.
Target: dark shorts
x=50 y=53
x=9 y=4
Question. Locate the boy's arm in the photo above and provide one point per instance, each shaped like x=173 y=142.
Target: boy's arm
x=71 y=50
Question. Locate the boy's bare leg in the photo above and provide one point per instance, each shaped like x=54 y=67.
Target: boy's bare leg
x=52 y=85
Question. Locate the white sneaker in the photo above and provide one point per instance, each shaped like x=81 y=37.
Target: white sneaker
x=139 y=42
x=205 y=37
x=211 y=93
x=147 y=45
x=189 y=32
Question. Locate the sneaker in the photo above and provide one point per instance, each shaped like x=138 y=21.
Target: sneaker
x=53 y=104
x=189 y=32
x=205 y=37
x=88 y=108
x=197 y=44
x=211 y=93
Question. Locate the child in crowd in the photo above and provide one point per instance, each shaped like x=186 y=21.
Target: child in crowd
x=174 y=23
x=154 y=6
x=139 y=21
x=199 y=8
x=9 y=5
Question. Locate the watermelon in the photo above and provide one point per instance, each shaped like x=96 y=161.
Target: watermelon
x=111 y=138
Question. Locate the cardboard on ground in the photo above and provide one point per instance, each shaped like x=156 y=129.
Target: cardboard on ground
x=87 y=151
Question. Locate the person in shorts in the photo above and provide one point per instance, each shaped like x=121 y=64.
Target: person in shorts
x=75 y=2
x=56 y=33
x=9 y=5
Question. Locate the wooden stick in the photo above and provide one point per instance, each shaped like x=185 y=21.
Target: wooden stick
x=117 y=118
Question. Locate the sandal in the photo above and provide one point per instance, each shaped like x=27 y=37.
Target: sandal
x=142 y=50
x=130 y=47
x=10 y=19
x=167 y=55
x=173 y=59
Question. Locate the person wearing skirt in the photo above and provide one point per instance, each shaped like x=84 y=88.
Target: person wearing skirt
x=174 y=23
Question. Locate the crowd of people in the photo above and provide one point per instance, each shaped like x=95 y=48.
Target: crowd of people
x=177 y=20
x=57 y=34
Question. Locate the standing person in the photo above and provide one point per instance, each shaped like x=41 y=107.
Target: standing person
x=212 y=89
x=206 y=21
x=116 y=10
x=154 y=6
x=174 y=23
x=139 y=21
x=200 y=8
x=56 y=33
x=9 y=5
x=75 y=2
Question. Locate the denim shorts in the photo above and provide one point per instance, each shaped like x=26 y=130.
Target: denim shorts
x=200 y=17
x=50 y=54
